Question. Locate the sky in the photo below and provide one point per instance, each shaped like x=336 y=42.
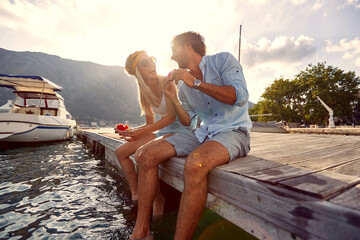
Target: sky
x=279 y=38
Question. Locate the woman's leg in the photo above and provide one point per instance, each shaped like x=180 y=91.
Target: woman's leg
x=159 y=201
x=123 y=153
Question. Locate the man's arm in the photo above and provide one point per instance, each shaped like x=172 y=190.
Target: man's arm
x=225 y=94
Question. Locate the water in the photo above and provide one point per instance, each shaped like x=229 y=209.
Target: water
x=61 y=191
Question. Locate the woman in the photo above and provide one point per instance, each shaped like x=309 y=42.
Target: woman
x=152 y=100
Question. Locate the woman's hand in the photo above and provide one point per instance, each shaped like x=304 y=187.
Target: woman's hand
x=170 y=90
x=131 y=135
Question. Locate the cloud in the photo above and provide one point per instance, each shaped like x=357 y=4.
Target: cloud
x=269 y=59
x=298 y=2
x=275 y=33
x=318 y=4
x=282 y=49
x=355 y=3
x=107 y=31
x=350 y=49
x=263 y=75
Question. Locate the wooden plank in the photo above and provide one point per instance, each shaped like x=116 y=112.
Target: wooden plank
x=283 y=208
x=241 y=167
x=300 y=214
x=341 y=131
x=345 y=154
x=349 y=198
x=277 y=174
x=327 y=182
x=293 y=148
x=280 y=173
x=258 y=141
x=251 y=223
x=277 y=139
x=320 y=154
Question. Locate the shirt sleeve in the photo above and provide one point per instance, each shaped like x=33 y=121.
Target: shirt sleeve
x=232 y=75
x=185 y=104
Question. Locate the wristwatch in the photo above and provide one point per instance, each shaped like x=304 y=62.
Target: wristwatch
x=197 y=83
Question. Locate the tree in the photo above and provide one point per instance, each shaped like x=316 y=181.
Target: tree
x=335 y=87
x=296 y=100
x=280 y=100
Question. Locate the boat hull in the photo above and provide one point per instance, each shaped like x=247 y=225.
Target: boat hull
x=16 y=127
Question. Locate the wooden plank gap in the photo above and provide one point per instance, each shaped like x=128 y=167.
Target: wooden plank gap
x=326 y=182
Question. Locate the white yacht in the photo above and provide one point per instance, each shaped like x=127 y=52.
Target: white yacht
x=37 y=114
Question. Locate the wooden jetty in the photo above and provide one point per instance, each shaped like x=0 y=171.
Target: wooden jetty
x=290 y=186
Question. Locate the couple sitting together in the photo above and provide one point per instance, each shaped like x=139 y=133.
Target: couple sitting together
x=213 y=88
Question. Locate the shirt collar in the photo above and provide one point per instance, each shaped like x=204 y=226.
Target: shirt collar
x=202 y=64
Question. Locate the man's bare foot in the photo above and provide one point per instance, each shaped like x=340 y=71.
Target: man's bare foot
x=146 y=237
x=158 y=205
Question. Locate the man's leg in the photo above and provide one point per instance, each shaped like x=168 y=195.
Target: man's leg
x=148 y=158
x=198 y=164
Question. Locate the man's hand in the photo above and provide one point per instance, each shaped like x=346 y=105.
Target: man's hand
x=184 y=75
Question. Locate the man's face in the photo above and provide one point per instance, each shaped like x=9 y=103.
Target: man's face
x=179 y=55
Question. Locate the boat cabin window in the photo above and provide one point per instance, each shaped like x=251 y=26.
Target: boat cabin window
x=52 y=103
x=33 y=101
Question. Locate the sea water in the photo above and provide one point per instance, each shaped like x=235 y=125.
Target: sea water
x=62 y=191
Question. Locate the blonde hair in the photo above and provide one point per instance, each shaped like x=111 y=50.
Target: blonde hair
x=146 y=97
x=132 y=61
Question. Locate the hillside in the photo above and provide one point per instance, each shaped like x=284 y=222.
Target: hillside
x=91 y=91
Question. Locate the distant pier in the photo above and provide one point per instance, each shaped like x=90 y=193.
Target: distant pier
x=290 y=186
x=338 y=130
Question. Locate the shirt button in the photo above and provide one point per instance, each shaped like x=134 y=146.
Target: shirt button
x=208 y=102
x=215 y=114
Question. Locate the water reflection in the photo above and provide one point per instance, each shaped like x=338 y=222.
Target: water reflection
x=60 y=191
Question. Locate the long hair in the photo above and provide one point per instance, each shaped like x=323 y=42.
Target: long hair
x=146 y=97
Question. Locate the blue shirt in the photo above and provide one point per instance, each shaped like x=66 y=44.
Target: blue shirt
x=221 y=69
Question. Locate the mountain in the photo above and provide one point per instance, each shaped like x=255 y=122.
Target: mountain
x=251 y=105
x=92 y=91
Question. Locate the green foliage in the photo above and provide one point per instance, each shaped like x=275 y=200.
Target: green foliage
x=296 y=100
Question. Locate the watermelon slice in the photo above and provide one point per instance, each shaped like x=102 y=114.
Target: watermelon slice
x=122 y=127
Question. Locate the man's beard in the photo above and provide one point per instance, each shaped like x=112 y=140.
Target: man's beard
x=181 y=64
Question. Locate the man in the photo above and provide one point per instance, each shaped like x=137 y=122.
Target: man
x=215 y=90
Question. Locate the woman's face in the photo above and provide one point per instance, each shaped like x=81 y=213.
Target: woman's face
x=147 y=67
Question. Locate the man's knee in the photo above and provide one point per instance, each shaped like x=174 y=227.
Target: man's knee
x=144 y=157
x=194 y=170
